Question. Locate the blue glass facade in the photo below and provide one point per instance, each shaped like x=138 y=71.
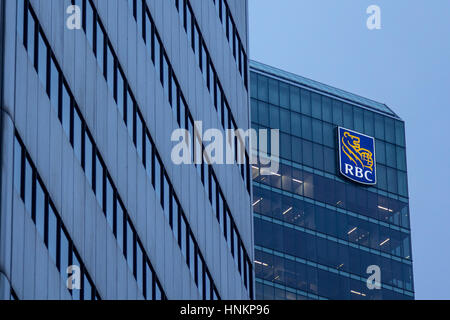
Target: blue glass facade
x=316 y=233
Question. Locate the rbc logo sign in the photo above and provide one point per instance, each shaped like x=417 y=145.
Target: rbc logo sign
x=357 y=156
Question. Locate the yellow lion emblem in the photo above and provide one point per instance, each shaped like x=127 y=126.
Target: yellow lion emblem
x=362 y=158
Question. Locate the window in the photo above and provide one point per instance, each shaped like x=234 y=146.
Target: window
x=42 y=61
x=139 y=15
x=17 y=165
x=229 y=27
x=130 y=244
x=39 y=210
x=139 y=135
x=109 y=203
x=192 y=253
x=139 y=266
x=173 y=94
x=110 y=67
x=220 y=209
x=148 y=289
x=100 y=47
x=77 y=134
x=90 y=23
x=148 y=31
x=157 y=177
x=203 y=61
x=75 y=262
x=196 y=43
x=166 y=76
x=166 y=197
x=54 y=85
x=31 y=37
x=199 y=274
x=158 y=292
x=120 y=226
x=148 y=156
x=228 y=228
x=99 y=180
x=213 y=194
x=64 y=253
x=235 y=41
x=182 y=116
x=52 y=236
x=130 y=115
x=157 y=56
x=88 y=156
x=189 y=25
x=208 y=289
x=120 y=92
x=183 y=235
x=65 y=110
x=28 y=186
x=175 y=218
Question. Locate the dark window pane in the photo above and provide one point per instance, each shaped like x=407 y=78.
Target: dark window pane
x=17 y=165
x=306 y=102
x=64 y=262
x=120 y=92
x=183 y=234
x=110 y=68
x=54 y=85
x=99 y=181
x=120 y=219
x=31 y=36
x=42 y=63
x=88 y=156
x=139 y=266
x=40 y=209
x=66 y=110
x=157 y=177
x=148 y=156
x=28 y=186
x=130 y=115
x=109 y=203
x=100 y=47
x=52 y=233
x=90 y=23
x=77 y=134
x=166 y=194
x=139 y=135
x=130 y=245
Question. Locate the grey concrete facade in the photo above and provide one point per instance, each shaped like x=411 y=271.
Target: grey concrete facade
x=25 y=265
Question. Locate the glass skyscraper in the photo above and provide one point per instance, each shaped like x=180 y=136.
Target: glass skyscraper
x=88 y=185
x=319 y=235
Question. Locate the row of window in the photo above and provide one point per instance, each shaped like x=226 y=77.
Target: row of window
x=205 y=64
x=299 y=184
x=319 y=132
x=296 y=273
x=141 y=136
x=328 y=251
x=332 y=222
x=49 y=224
x=323 y=158
x=233 y=38
x=298 y=282
x=299 y=100
x=335 y=193
x=89 y=157
x=172 y=89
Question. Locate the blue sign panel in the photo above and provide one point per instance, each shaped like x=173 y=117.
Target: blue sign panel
x=357 y=156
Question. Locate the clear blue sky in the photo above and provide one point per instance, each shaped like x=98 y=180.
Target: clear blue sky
x=406 y=65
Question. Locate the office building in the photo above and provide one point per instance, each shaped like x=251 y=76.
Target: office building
x=91 y=93
x=318 y=234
